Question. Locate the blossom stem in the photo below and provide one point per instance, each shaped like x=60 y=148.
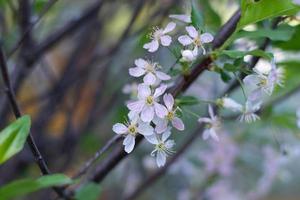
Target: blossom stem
x=241 y=84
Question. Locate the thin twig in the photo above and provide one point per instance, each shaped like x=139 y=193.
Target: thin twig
x=17 y=112
x=29 y=28
x=92 y=160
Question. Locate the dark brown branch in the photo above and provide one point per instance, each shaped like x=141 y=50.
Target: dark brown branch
x=68 y=29
x=17 y=112
x=30 y=27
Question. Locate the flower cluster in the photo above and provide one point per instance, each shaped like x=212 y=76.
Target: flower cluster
x=152 y=111
x=260 y=83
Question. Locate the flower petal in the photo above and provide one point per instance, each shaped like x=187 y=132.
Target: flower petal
x=188 y=56
x=192 y=31
x=151 y=46
x=152 y=139
x=231 y=104
x=140 y=63
x=206 y=38
x=213 y=134
x=170 y=27
x=159 y=91
x=184 y=18
x=166 y=135
x=211 y=111
x=169 y=101
x=205 y=134
x=147 y=114
x=149 y=79
x=136 y=106
x=165 y=40
x=162 y=76
x=145 y=129
x=143 y=91
x=161 y=125
x=178 y=124
x=161 y=158
x=185 y=40
x=129 y=143
x=136 y=71
x=251 y=79
x=119 y=128
x=204 y=120
x=169 y=144
x=160 y=110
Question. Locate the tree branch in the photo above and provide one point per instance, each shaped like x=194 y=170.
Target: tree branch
x=17 y=112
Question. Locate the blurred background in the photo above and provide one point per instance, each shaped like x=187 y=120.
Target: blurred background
x=70 y=74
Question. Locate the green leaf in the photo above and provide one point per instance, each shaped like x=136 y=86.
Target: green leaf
x=13 y=137
x=225 y=76
x=90 y=191
x=255 y=11
x=230 y=67
x=293 y=44
x=282 y=33
x=187 y=101
x=26 y=186
x=197 y=18
x=240 y=54
x=211 y=19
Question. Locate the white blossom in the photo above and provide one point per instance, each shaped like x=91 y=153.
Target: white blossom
x=248 y=114
x=147 y=103
x=212 y=125
x=163 y=147
x=189 y=55
x=130 y=130
x=230 y=104
x=195 y=38
x=160 y=36
x=264 y=82
x=162 y=124
x=150 y=70
x=182 y=17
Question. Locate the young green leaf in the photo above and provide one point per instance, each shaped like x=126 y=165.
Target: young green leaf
x=90 y=191
x=26 y=186
x=255 y=11
x=293 y=44
x=240 y=54
x=282 y=33
x=197 y=18
x=187 y=101
x=13 y=137
x=211 y=19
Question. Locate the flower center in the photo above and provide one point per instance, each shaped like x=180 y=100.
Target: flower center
x=263 y=82
x=161 y=146
x=170 y=115
x=157 y=34
x=208 y=126
x=197 y=41
x=132 y=129
x=150 y=67
x=149 y=100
